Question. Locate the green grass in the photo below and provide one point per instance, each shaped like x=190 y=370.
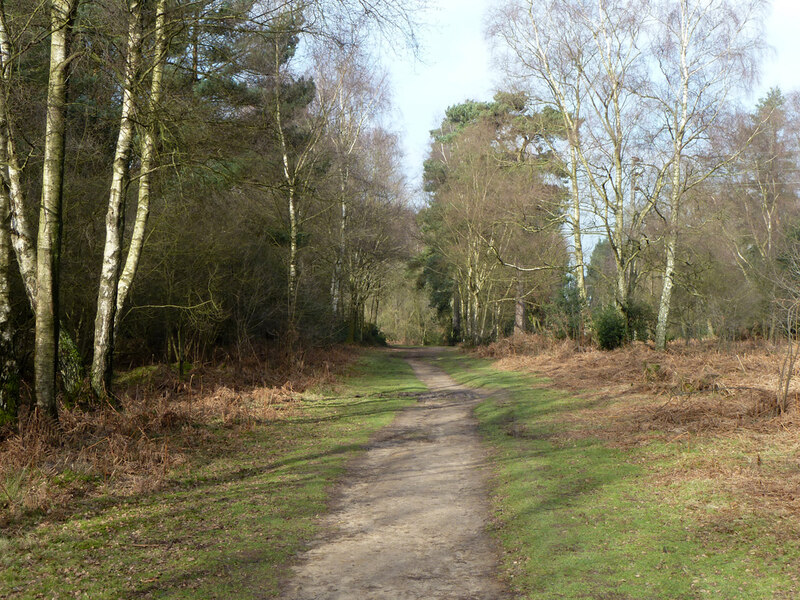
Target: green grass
x=578 y=519
x=226 y=527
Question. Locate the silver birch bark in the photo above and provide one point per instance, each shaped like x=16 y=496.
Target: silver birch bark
x=715 y=53
x=49 y=237
x=102 y=360
x=8 y=365
x=22 y=240
x=519 y=309
x=295 y=163
x=148 y=159
x=20 y=229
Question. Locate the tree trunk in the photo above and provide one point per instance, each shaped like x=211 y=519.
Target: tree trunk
x=48 y=252
x=580 y=271
x=336 y=281
x=666 y=292
x=519 y=309
x=20 y=228
x=456 y=307
x=148 y=159
x=9 y=376
x=102 y=361
x=292 y=267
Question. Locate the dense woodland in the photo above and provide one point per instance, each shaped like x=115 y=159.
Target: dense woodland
x=180 y=178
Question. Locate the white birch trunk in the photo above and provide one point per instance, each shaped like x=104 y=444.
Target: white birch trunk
x=580 y=269
x=148 y=160
x=336 y=283
x=20 y=229
x=102 y=360
x=49 y=238
x=679 y=125
x=519 y=309
x=8 y=365
x=666 y=292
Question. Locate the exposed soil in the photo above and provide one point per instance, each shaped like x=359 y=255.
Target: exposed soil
x=410 y=520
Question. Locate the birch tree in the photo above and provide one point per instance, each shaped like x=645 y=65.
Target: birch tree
x=148 y=118
x=117 y=276
x=585 y=59
x=545 y=49
x=356 y=93
x=48 y=249
x=112 y=253
x=8 y=366
x=705 y=50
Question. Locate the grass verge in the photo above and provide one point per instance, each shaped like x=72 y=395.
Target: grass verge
x=580 y=518
x=226 y=526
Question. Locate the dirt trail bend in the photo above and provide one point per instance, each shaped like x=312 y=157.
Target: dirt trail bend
x=410 y=520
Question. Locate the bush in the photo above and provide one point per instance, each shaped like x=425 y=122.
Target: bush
x=609 y=326
x=373 y=336
x=641 y=321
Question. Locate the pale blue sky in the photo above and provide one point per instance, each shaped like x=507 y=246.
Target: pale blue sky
x=455 y=65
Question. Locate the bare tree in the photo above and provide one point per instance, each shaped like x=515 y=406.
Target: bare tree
x=545 y=49
x=705 y=50
x=356 y=92
x=586 y=61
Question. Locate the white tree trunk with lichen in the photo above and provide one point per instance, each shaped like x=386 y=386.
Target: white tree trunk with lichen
x=48 y=251
x=8 y=364
x=147 y=163
x=102 y=360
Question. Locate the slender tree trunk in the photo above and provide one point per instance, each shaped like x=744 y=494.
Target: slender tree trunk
x=102 y=361
x=148 y=160
x=681 y=117
x=8 y=364
x=456 y=307
x=292 y=274
x=21 y=231
x=9 y=377
x=336 y=282
x=580 y=270
x=48 y=253
x=519 y=309
x=666 y=292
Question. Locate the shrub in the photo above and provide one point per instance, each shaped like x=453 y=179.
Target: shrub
x=609 y=326
x=373 y=336
x=641 y=321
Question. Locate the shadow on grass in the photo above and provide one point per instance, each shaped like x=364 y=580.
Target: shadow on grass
x=272 y=435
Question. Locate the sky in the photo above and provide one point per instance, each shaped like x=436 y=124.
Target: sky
x=455 y=65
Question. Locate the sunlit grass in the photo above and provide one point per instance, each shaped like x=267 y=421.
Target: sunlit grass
x=580 y=519
x=223 y=528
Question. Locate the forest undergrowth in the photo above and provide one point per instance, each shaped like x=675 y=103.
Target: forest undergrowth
x=714 y=399
x=160 y=420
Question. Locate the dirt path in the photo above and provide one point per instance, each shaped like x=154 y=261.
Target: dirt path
x=410 y=520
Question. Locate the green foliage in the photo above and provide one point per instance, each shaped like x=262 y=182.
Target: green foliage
x=609 y=326
x=371 y=335
x=641 y=320
x=563 y=315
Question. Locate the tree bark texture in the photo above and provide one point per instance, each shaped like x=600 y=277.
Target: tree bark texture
x=519 y=309
x=102 y=360
x=148 y=161
x=9 y=384
x=48 y=253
